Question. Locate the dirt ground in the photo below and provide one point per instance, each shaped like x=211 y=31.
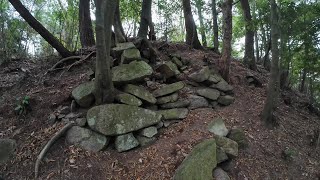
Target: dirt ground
x=263 y=159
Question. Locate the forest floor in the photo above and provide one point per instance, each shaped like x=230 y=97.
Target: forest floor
x=263 y=159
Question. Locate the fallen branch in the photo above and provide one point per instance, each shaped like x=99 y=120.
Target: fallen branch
x=81 y=60
x=48 y=145
x=62 y=61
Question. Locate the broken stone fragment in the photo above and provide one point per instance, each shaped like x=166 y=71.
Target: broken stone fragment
x=218 y=127
x=83 y=94
x=130 y=55
x=149 y=131
x=126 y=142
x=200 y=75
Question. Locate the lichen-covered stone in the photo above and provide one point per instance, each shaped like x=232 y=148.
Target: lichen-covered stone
x=218 y=127
x=238 y=136
x=178 y=113
x=213 y=79
x=149 y=131
x=209 y=93
x=178 y=104
x=177 y=62
x=117 y=119
x=197 y=102
x=120 y=47
x=7 y=149
x=125 y=142
x=128 y=99
x=86 y=139
x=168 y=99
x=83 y=94
x=199 y=163
x=133 y=72
x=221 y=155
x=226 y=100
x=219 y=174
x=145 y=141
x=140 y=92
x=168 y=69
x=168 y=89
x=129 y=55
x=200 y=75
x=229 y=146
x=222 y=86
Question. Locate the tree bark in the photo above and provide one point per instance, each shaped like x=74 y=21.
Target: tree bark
x=199 y=4
x=303 y=80
x=118 y=28
x=256 y=40
x=225 y=60
x=274 y=82
x=191 y=29
x=215 y=26
x=37 y=26
x=249 y=60
x=145 y=18
x=104 y=90
x=85 y=24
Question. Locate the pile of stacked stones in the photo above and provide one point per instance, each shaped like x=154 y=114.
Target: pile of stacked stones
x=208 y=159
x=143 y=104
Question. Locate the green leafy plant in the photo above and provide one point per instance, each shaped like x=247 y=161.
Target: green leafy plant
x=288 y=154
x=23 y=105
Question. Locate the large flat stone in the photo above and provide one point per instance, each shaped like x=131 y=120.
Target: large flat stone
x=168 y=99
x=140 y=92
x=178 y=104
x=178 y=113
x=168 y=89
x=133 y=72
x=128 y=99
x=209 y=93
x=117 y=119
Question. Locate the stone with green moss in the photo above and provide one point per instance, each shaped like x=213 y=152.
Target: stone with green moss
x=129 y=55
x=208 y=93
x=178 y=104
x=238 y=136
x=168 y=99
x=199 y=164
x=177 y=62
x=229 y=146
x=128 y=99
x=168 y=89
x=168 y=69
x=83 y=94
x=125 y=142
x=133 y=72
x=178 y=113
x=140 y=92
x=117 y=119
x=201 y=75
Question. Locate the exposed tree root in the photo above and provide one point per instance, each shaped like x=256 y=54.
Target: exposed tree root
x=62 y=61
x=48 y=145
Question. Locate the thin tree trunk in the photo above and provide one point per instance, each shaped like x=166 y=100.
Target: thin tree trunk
x=225 y=60
x=191 y=35
x=274 y=82
x=85 y=24
x=256 y=42
x=104 y=90
x=145 y=18
x=249 y=40
x=215 y=27
x=118 y=29
x=303 y=80
x=37 y=26
x=202 y=28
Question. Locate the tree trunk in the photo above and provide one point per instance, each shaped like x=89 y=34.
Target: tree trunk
x=191 y=35
x=249 y=40
x=37 y=26
x=256 y=40
x=85 y=24
x=117 y=25
x=199 y=4
x=274 y=82
x=303 y=80
x=225 y=60
x=145 y=18
x=215 y=27
x=104 y=90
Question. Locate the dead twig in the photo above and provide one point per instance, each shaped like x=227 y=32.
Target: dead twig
x=48 y=145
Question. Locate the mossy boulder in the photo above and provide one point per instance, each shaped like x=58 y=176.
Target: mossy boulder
x=229 y=146
x=128 y=99
x=133 y=72
x=168 y=69
x=178 y=113
x=201 y=75
x=130 y=55
x=83 y=94
x=117 y=119
x=168 y=89
x=199 y=164
x=218 y=127
x=125 y=142
x=140 y=92
x=208 y=93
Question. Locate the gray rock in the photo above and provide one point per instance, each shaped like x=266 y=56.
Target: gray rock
x=168 y=99
x=130 y=55
x=177 y=62
x=220 y=174
x=120 y=47
x=87 y=139
x=73 y=106
x=133 y=72
x=64 y=110
x=199 y=163
x=145 y=141
x=226 y=100
x=168 y=123
x=117 y=119
x=178 y=113
x=168 y=89
x=178 y=104
x=200 y=75
x=140 y=92
x=83 y=94
x=149 y=131
x=214 y=104
x=128 y=99
x=126 y=142
x=238 y=136
x=72 y=116
x=209 y=93
x=152 y=107
x=52 y=118
x=160 y=125
x=168 y=69
x=183 y=68
x=81 y=121
x=222 y=86
x=221 y=155
x=229 y=146
x=213 y=79
x=218 y=127
x=197 y=102
x=7 y=149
